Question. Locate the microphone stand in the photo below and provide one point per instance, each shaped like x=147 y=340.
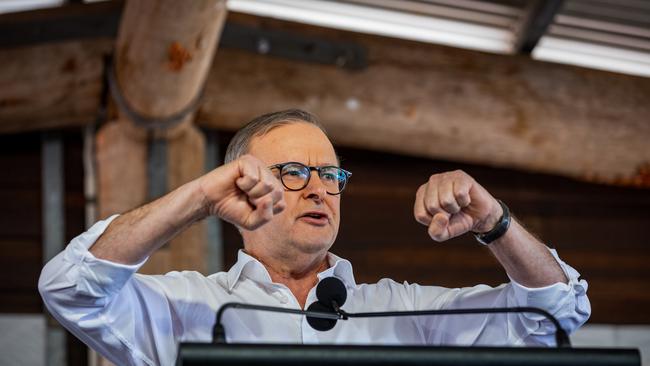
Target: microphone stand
x=219 y=332
x=561 y=338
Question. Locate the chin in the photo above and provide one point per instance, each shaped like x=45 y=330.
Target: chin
x=314 y=247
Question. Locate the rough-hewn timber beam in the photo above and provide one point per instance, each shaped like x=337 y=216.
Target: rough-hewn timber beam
x=453 y=104
x=52 y=85
x=163 y=53
x=413 y=98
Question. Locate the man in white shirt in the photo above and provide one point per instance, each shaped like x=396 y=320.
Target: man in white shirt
x=281 y=186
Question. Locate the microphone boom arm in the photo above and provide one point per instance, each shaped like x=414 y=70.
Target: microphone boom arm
x=561 y=337
x=219 y=333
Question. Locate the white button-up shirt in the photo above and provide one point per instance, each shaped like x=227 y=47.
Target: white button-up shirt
x=135 y=319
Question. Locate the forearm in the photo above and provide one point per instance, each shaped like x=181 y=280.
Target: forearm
x=136 y=234
x=526 y=259
x=102 y=304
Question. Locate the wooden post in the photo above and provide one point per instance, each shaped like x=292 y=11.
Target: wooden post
x=163 y=53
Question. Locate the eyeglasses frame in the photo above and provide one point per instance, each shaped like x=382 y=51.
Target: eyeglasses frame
x=280 y=166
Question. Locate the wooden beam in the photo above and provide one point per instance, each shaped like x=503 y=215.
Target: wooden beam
x=413 y=98
x=51 y=85
x=453 y=104
x=162 y=60
x=162 y=55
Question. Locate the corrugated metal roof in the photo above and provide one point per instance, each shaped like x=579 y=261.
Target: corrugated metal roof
x=607 y=35
x=604 y=34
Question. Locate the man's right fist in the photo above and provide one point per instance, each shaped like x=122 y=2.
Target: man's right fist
x=243 y=192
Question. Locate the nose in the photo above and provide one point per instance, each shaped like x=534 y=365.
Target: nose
x=315 y=189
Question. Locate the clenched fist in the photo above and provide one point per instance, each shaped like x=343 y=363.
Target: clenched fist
x=243 y=192
x=453 y=203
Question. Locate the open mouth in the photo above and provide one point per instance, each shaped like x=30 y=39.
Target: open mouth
x=316 y=218
x=315 y=215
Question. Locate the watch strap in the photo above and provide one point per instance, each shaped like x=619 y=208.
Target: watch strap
x=499 y=229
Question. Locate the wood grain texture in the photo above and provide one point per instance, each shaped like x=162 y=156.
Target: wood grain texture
x=121 y=157
x=416 y=99
x=439 y=102
x=164 y=50
x=162 y=55
x=51 y=85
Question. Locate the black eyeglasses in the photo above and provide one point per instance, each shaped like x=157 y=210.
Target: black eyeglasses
x=295 y=176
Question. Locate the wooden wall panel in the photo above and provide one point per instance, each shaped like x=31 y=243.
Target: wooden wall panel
x=600 y=230
x=21 y=252
x=20 y=231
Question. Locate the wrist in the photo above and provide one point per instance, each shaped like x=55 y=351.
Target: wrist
x=201 y=202
x=498 y=229
x=491 y=220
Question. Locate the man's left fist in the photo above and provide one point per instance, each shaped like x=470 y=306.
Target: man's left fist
x=453 y=203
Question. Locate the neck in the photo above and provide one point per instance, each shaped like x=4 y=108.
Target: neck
x=298 y=274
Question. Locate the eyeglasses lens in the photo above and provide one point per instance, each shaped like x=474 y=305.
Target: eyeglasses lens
x=296 y=177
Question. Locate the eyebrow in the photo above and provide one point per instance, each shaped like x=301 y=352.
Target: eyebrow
x=294 y=161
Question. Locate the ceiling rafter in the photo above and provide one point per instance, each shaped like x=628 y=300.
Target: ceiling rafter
x=537 y=17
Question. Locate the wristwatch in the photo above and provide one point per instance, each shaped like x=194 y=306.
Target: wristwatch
x=499 y=229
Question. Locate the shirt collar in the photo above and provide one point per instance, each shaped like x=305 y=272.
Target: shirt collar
x=340 y=268
x=249 y=267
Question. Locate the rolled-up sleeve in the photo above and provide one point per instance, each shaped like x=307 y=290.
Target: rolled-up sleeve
x=100 y=302
x=567 y=302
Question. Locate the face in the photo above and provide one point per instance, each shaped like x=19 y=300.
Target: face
x=295 y=231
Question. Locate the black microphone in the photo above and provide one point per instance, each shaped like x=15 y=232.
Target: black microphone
x=331 y=294
x=331 y=291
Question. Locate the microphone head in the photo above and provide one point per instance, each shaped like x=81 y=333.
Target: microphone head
x=331 y=289
x=320 y=323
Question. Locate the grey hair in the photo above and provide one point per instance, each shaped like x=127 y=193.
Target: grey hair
x=259 y=126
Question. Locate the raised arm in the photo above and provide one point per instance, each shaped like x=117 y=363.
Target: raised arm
x=90 y=287
x=453 y=203
x=243 y=192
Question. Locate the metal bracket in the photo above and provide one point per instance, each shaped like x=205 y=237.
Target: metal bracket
x=293 y=46
x=78 y=21
x=538 y=16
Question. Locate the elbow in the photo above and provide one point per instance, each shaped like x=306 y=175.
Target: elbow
x=580 y=315
x=47 y=284
x=54 y=284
